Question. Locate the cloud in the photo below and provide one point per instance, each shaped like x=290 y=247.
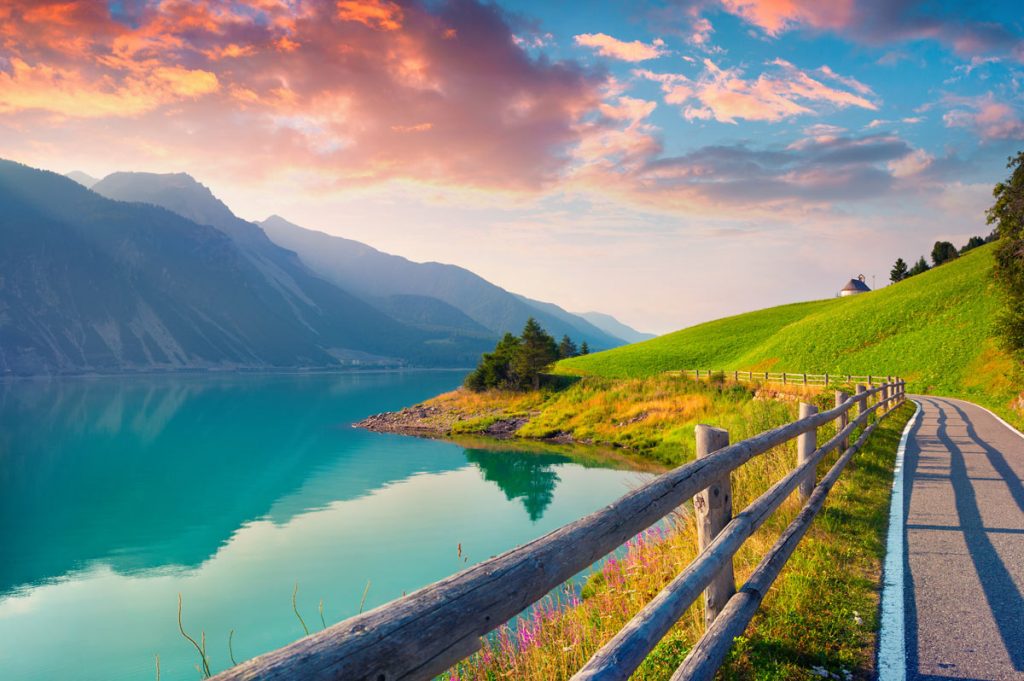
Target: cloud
x=883 y=22
x=786 y=91
x=989 y=118
x=351 y=93
x=633 y=51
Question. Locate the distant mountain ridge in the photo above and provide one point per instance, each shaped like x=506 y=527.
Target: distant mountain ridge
x=613 y=326
x=374 y=274
x=89 y=284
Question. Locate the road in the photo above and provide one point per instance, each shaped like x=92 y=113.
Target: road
x=964 y=569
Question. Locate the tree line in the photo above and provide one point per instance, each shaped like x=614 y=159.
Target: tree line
x=518 y=361
x=1007 y=214
x=942 y=252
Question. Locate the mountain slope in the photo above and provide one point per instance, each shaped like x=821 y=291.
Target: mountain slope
x=81 y=178
x=317 y=302
x=613 y=326
x=374 y=275
x=93 y=285
x=935 y=330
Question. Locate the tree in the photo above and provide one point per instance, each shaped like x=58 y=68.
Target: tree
x=566 y=348
x=943 y=251
x=899 y=271
x=584 y=348
x=920 y=266
x=972 y=243
x=1007 y=214
x=495 y=368
x=538 y=350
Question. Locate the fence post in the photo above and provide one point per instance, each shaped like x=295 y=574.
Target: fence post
x=713 y=507
x=826 y=380
x=736 y=376
x=862 y=404
x=843 y=420
x=805 y=379
x=766 y=377
x=783 y=378
x=806 y=443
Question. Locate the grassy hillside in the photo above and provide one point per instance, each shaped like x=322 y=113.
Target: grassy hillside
x=935 y=330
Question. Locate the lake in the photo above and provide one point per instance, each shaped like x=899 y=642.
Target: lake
x=119 y=494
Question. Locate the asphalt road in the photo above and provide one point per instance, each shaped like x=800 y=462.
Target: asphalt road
x=964 y=572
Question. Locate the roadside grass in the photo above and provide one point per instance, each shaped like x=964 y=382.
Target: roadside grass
x=651 y=417
x=935 y=330
x=822 y=612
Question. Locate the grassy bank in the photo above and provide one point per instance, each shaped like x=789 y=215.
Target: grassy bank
x=934 y=329
x=821 y=613
x=651 y=417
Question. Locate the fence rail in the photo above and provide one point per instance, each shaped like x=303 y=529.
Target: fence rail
x=787 y=378
x=423 y=634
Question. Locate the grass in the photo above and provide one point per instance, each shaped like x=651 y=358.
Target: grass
x=822 y=612
x=935 y=330
x=650 y=417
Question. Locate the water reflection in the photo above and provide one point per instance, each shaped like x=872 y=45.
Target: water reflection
x=116 y=495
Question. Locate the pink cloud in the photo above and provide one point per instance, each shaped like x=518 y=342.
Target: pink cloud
x=358 y=92
x=632 y=51
x=988 y=118
x=725 y=95
x=879 y=22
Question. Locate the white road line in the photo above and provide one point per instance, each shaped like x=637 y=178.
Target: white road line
x=892 y=639
x=991 y=413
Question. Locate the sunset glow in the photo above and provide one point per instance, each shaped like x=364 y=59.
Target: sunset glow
x=616 y=157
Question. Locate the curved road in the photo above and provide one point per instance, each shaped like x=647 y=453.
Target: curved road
x=964 y=569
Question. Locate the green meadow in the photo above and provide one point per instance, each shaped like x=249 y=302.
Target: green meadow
x=935 y=330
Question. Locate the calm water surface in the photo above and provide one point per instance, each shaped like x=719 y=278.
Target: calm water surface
x=116 y=495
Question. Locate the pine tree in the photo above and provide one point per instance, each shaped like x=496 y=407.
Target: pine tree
x=566 y=348
x=972 y=243
x=538 y=350
x=899 y=271
x=920 y=266
x=584 y=348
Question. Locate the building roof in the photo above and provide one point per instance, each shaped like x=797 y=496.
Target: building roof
x=856 y=285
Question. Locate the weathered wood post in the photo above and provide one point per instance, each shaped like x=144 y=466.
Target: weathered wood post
x=783 y=378
x=750 y=375
x=766 y=377
x=805 y=378
x=713 y=507
x=806 y=443
x=862 y=403
x=736 y=376
x=843 y=420
x=826 y=380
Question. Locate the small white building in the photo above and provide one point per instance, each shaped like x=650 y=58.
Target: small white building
x=854 y=286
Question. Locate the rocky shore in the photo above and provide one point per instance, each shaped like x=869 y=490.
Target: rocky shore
x=428 y=420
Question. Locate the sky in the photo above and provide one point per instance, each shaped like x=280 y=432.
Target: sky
x=668 y=162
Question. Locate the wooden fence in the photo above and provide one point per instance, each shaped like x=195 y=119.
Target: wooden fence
x=786 y=378
x=423 y=634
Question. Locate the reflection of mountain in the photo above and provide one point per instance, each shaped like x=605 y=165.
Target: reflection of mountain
x=521 y=476
x=147 y=473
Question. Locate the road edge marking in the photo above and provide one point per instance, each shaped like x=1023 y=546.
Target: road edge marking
x=892 y=637
x=991 y=413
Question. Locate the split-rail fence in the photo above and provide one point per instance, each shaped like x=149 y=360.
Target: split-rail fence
x=421 y=635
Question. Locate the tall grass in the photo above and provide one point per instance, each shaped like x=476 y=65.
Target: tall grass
x=820 y=614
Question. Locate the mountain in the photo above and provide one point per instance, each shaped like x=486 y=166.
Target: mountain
x=374 y=275
x=88 y=284
x=934 y=329
x=82 y=178
x=613 y=326
x=457 y=344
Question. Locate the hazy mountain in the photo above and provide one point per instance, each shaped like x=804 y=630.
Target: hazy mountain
x=610 y=324
x=91 y=284
x=375 y=275
x=81 y=178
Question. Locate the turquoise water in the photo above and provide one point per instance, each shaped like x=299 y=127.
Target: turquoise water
x=116 y=495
